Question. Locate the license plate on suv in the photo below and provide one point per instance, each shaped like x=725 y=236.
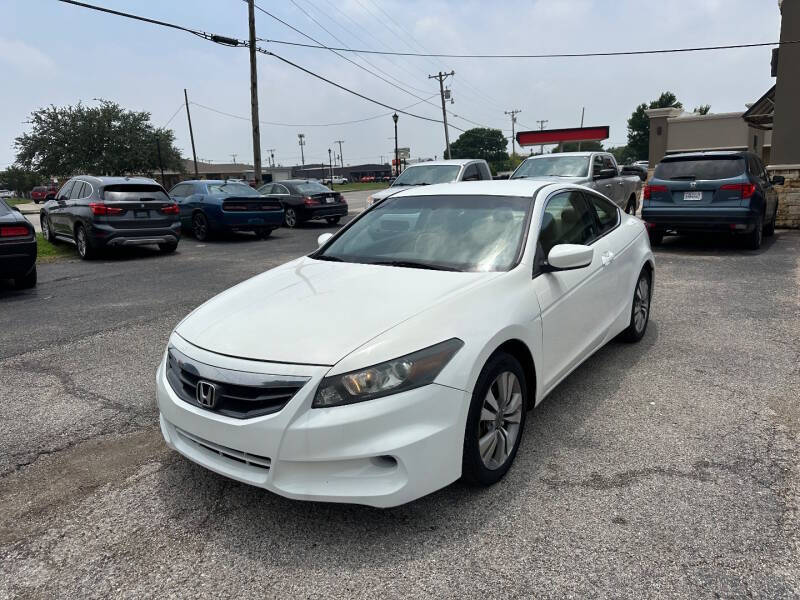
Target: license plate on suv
x=692 y=196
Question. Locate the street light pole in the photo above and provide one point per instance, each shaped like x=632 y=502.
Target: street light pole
x=302 y=141
x=396 y=152
x=330 y=163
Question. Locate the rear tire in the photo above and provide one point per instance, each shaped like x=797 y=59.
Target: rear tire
x=656 y=236
x=333 y=220
x=200 y=227
x=168 y=248
x=752 y=240
x=631 y=207
x=263 y=233
x=85 y=249
x=47 y=229
x=495 y=422
x=26 y=282
x=640 y=308
x=290 y=217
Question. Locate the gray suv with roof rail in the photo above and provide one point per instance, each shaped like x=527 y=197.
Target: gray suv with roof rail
x=99 y=212
x=711 y=191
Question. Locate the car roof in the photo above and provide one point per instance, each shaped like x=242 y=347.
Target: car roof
x=297 y=181
x=452 y=161
x=103 y=180
x=702 y=154
x=584 y=153
x=523 y=188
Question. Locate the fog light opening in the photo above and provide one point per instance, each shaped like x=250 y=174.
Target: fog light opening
x=384 y=462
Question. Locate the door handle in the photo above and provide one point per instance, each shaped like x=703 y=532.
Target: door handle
x=607 y=258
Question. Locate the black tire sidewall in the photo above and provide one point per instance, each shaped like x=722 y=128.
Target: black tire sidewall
x=473 y=470
x=630 y=334
x=296 y=218
x=200 y=217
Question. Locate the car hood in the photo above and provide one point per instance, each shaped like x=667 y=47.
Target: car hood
x=392 y=190
x=317 y=312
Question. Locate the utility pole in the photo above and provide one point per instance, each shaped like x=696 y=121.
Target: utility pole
x=191 y=134
x=301 y=139
x=542 y=123
x=341 y=156
x=233 y=156
x=330 y=164
x=513 y=112
x=441 y=77
x=583 y=112
x=396 y=151
x=254 y=93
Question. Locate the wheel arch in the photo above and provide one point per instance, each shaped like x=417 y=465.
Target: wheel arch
x=519 y=350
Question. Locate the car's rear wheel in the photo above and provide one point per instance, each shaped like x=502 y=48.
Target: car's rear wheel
x=656 y=236
x=264 y=233
x=752 y=240
x=200 y=227
x=168 y=247
x=495 y=421
x=333 y=220
x=85 y=249
x=47 y=230
x=290 y=217
x=640 y=309
x=26 y=282
x=631 y=207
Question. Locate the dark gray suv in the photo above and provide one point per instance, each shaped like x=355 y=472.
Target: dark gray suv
x=98 y=212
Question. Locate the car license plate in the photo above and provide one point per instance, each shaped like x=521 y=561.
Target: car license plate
x=692 y=196
x=141 y=214
x=330 y=199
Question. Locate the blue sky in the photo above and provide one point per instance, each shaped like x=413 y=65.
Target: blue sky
x=53 y=53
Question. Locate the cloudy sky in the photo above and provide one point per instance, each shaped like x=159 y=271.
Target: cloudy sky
x=54 y=53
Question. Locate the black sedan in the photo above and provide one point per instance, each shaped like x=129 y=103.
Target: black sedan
x=304 y=200
x=17 y=248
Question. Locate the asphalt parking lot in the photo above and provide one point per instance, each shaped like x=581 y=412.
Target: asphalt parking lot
x=664 y=469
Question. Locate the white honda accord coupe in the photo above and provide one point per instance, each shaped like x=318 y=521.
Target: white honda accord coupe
x=406 y=350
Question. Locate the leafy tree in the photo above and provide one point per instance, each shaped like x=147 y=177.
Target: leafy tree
x=19 y=180
x=101 y=140
x=639 y=125
x=703 y=109
x=488 y=144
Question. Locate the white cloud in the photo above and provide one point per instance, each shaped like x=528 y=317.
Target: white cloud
x=23 y=56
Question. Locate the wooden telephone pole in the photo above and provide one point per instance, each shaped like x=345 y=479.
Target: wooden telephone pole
x=254 y=94
x=441 y=77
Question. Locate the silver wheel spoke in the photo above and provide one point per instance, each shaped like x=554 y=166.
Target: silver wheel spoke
x=513 y=404
x=500 y=419
x=491 y=402
x=501 y=451
x=487 y=445
x=487 y=415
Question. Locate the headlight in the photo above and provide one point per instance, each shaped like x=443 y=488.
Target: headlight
x=398 y=375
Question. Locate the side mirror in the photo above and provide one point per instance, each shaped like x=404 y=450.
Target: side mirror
x=323 y=239
x=606 y=174
x=565 y=257
x=778 y=180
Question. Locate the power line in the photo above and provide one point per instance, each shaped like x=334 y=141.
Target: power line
x=553 y=55
x=175 y=114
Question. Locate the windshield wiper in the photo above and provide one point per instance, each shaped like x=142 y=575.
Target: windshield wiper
x=411 y=264
x=328 y=258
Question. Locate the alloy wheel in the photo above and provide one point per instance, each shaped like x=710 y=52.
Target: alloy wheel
x=641 y=303
x=45 y=228
x=81 y=241
x=200 y=227
x=499 y=422
x=290 y=217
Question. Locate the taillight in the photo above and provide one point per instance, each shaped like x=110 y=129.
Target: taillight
x=170 y=209
x=14 y=231
x=649 y=189
x=102 y=210
x=340 y=198
x=745 y=189
x=309 y=201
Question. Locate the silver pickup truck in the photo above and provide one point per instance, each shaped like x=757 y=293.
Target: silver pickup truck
x=597 y=170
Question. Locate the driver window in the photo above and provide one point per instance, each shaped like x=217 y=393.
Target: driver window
x=566 y=220
x=471 y=173
x=597 y=164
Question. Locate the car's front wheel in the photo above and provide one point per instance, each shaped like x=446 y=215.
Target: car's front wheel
x=47 y=230
x=495 y=421
x=631 y=207
x=640 y=309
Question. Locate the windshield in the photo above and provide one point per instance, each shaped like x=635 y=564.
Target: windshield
x=458 y=233
x=232 y=189
x=134 y=192
x=553 y=166
x=707 y=168
x=311 y=187
x=427 y=174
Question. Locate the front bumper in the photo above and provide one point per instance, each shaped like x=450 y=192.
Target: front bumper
x=685 y=218
x=382 y=452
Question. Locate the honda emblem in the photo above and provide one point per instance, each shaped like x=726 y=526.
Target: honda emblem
x=206 y=394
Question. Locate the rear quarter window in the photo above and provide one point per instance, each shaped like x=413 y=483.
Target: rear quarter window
x=705 y=168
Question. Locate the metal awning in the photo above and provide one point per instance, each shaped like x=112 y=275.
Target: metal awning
x=762 y=112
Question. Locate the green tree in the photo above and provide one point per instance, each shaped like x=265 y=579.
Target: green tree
x=639 y=125
x=488 y=144
x=19 y=179
x=703 y=109
x=102 y=140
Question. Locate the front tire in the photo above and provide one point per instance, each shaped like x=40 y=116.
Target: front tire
x=631 y=207
x=495 y=421
x=85 y=249
x=333 y=220
x=26 y=282
x=290 y=217
x=640 y=308
x=47 y=229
